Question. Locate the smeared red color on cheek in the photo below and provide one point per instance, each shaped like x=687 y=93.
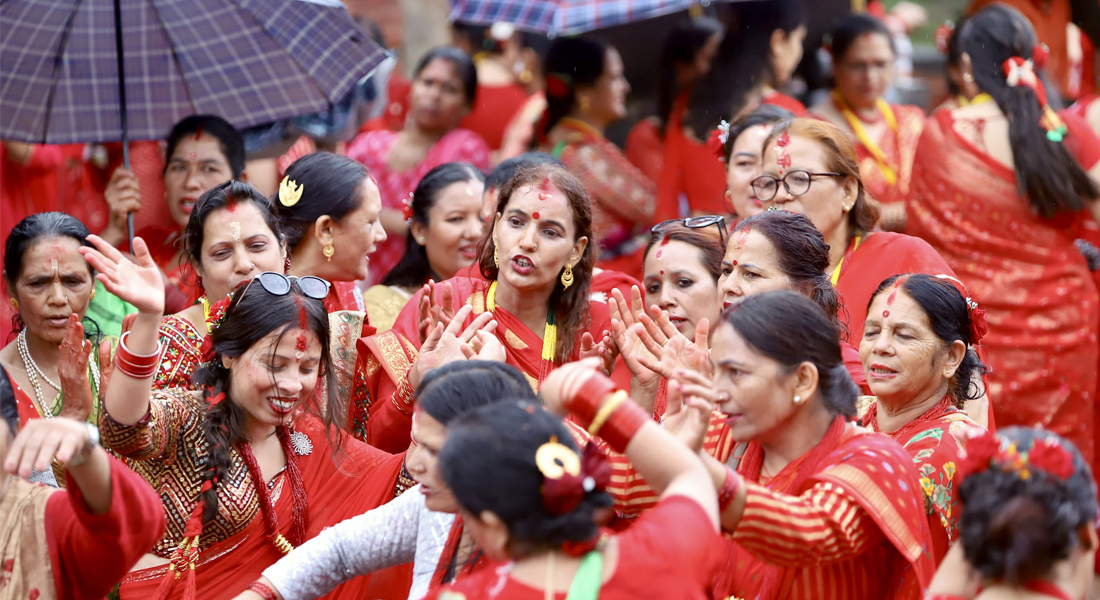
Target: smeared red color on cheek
x=536 y=214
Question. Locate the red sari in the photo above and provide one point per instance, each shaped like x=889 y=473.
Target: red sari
x=385 y=357
x=690 y=170
x=1024 y=271
x=874 y=259
x=670 y=553
x=494 y=107
x=935 y=440
x=645 y=147
x=845 y=520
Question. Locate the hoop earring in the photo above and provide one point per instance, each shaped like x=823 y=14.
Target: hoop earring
x=567 y=276
x=496 y=257
x=329 y=250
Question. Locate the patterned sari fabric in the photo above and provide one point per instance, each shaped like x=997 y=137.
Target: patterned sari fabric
x=1024 y=271
x=843 y=521
x=935 y=440
x=167 y=448
x=385 y=358
x=180 y=357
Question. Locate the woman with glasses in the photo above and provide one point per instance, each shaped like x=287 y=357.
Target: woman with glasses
x=253 y=463
x=811 y=168
x=885 y=134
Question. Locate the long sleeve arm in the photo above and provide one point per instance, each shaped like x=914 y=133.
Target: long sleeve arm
x=821 y=526
x=93 y=552
x=170 y=415
x=380 y=538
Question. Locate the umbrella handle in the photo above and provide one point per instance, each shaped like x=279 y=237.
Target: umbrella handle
x=130 y=230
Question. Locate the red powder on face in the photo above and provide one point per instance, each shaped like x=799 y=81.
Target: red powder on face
x=658 y=255
x=536 y=214
x=544 y=186
x=300 y=343
x=194 y=156
x=885 y=314
x=890 y=298
x=735 y=263
x=662 y=271
x=783 y=141
x=198 y=134
x=784 y=161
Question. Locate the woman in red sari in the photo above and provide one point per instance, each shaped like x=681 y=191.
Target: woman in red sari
x=997 y=197
x=810 y=168
x=755 y=61
x=535 y=503
x=885 y=134
x=919 y=354
x=585 y=92
x=246 y=468
x=818 y=507
x=329 y=210
x=536 y=269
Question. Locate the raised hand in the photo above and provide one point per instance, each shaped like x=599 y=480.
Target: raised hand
x=72 y=371
x=691 y=399
x=433 y=312
x=123 y=195
x=444 y=344
x=42 y=440
x=603 y=350
x=139 y=283
x=677 y=353
x=486 y=346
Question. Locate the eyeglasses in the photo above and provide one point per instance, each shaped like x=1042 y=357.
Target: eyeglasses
x=796 y=183
x=278 y=284
x=693 y=223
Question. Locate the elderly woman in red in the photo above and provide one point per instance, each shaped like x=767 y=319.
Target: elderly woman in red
x=818 y=507
x=918 y=354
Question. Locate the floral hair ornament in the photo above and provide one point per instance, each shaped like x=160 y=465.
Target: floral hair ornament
x=290 y=191
x=943 y=35
x=214 y=320
x=978 y=325
x=407 y=209
x=567 y=478
x=1022 y=72
x=558 y=84
x=1047 y=455
x=716 y=143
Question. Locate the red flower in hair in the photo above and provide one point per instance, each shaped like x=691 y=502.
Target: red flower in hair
x=715 y=144
x=557 y=85
x=1040 y=56
x=978 y=452
x=978 y=326
x=1051 y=457
x=206 y=350
x=943 y=36
x=217 y=312
x=563 y=495
x=407 y=207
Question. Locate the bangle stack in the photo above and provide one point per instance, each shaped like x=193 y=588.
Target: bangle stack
x=263 y=590
x=405 y=394
x=138 y=366
x=615 y=420
x=733 y=484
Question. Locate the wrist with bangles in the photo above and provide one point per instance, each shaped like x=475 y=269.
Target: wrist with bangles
x=138 y=366
x=733 y=484
x=263 y=590
x=607 y=413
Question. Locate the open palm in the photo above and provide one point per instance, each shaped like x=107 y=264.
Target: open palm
x=140 y=283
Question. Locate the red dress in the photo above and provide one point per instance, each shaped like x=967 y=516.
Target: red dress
x=645 y=147
x=690 y=170
x=371 y=149
x=670 y=553
x=494 y=107
x=784 y=101
x=1040 y=299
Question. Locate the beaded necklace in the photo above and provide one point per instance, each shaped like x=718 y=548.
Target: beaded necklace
x=297 y=487
x=549 y=334
x=34 y=372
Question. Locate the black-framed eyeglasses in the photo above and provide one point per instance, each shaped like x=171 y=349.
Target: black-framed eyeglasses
x=693 y=223
x=795 y=182
x=278 y=284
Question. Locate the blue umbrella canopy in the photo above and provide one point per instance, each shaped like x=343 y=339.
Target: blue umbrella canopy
x=249 y=61
x=565 y=17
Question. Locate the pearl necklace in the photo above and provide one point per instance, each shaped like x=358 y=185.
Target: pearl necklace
x=34 y=372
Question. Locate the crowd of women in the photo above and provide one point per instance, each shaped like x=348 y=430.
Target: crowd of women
x=399 y=376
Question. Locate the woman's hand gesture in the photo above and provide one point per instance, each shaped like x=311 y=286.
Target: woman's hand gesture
x=72 y=371
x=691 y=400
x=677 y=352
x=432 y=312
x=445 y=344
x=139 y=283
x=42 y=440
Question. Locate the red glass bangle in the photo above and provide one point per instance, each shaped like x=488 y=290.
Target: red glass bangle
x=733 y=484
x=138 y=366
x=623 y=424
x=586 y=402
x=263 y=590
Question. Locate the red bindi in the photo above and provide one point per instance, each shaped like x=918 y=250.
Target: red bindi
x=535 y=214
x=194 y=156
x=662 y=271
x=735 y=263
x=885 y=314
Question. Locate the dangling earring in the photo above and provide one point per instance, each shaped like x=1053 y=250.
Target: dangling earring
x=798 y=399
x=92 y=297
x=567 y=276
x=14 y=303
x=329 y=250
x=198 y=282
x=496 y=258
x=286 y=265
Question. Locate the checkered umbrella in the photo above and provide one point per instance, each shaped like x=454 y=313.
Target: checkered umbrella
x=564 y=17
x=248 y=61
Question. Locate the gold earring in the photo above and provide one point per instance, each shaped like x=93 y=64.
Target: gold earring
x=329 y=250
x=567 y=276
x=585 y=103
x=92 y=297
x=420 y=241
x=496 y=257
x=14 y=303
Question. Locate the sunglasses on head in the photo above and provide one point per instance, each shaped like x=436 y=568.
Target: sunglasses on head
x=278 y=284
x=693 y=223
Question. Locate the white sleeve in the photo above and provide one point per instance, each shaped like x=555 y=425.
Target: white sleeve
x=435 y=528
x=380 y=538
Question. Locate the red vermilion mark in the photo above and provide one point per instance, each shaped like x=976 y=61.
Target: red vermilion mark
x=545 y=191
x=783 y=141
x=300 y=343
x=662 y=271
x=658 y=255
x=885 y=314
x=890 y=298
x=194 y=156
x=535 y=214
x=784 y=161
x=735 y=263
x=198 y=133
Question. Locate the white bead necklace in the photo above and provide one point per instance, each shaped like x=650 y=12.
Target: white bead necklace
x=34 y=372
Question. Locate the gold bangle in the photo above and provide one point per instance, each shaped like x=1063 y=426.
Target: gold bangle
x=605 y=411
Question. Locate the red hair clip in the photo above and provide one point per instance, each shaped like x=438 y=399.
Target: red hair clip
x=943 y=36
x=986 y=451
x=567 y=478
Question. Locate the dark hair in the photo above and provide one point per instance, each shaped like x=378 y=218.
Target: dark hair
x=229 y=139
x=458 y=387
x=1045 y=171
x=576 y=61
x=790 y=329
x=709 y=240
x=489 y=464
x=331 y=185
x=840 y=157
x=681 y=46
x=253 y=314
x=949 y=316
x=851 y=28
x=507 y=169
x=1015 y=529
x=765 y=114
x=27 y=233
x=743 y=62
x=802 y=255
x=571 y=305
x=221 y=196
x=954 y=56
x=414 y=269
x=463 y=66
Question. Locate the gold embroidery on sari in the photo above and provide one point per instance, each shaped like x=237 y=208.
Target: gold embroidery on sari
x=514 y=341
